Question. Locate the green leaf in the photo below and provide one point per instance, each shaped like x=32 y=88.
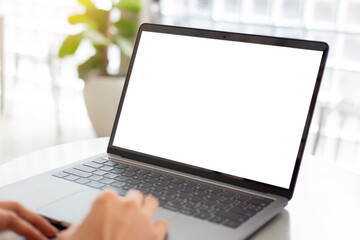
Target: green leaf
x=125 y=45
x=82 y=18
x=70 y=45
x=130 y=5
x=86 y=3
x=93 y=63
x=96 y=37
x=126 y=28
x=98 y=16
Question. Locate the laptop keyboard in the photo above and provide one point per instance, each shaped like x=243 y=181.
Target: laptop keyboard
x=178 y=194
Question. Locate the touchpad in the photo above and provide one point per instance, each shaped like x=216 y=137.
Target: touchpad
x=74 y=208
x=71 y=209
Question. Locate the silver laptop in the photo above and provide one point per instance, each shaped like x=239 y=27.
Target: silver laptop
x=214 y=124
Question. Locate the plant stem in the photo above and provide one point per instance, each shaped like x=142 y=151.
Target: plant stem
x=108 y=36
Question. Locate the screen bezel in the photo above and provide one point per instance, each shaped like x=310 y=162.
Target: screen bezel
x=213 y=175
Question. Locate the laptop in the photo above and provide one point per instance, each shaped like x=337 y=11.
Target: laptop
x=213 y=124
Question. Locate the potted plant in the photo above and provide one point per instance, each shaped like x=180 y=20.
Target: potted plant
x=103 y=28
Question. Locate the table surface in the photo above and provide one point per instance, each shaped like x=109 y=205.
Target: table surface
x=325 y=203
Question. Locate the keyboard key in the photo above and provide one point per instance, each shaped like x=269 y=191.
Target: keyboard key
x=93 y=164
x=216 y=219
x=171 y=207
x=128 y=174
x=213 y=197
x=178 y=202
x=151 y=180
x=163 y=183
x=227 y=201
x=157 y=189
x=202 y=215
x=154 y=175
x=133 y=169
x=78 y=173
x=228 y=194
x=190 y=184
x=191 y=205
x=110 y=163
x=200 y=194
x=95 y=184
x=117 y=171
x=143 y=172
x=107 y=181
x=222 y=206
x=183 y=195
x=175 y=186
x=156 y=194
x=60 y=174
x=214 y=190
x=85 y=168
x=140 y=177
x=133 y=181
x=196 y=199
x=232 y=224
x=71 y=177
x=100 y=172
x=120 y=191
x=188 y=190
x=106 y=168
x=202 y=188
x=100 y=160
x=82 y=181
x=121 y=166
x=209 y=202
x=121 y=178
x=231 y=215
x=165 y=198
x=117 y=184
x=187 y=211
x=260 y=201
x=177 y=181
x=110 y=175
x=170 y=192
x=254 y=208
x=202 y=208
x=166 y=177
x=146 y=185
x=246 y=212
x=242 y=197
x=128 y=187
x=95 y=178
x=144 y=191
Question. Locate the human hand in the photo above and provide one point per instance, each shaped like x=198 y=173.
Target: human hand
x=113 y=218
x=15 y=217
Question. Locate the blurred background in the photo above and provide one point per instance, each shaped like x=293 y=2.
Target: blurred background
x=42 y=96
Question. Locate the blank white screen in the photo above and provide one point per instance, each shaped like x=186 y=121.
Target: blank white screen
x=237 y=108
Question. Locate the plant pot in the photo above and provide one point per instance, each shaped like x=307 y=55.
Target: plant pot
x=102 y=96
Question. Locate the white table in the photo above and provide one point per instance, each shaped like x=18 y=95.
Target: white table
x=325 y=204
x=2 y=65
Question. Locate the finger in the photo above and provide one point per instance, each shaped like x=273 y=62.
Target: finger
x=107 y=195
x=160 y=228
x=36 y=220
x=135 y=195
x=18 y=225
x=66 y=234
x=150 y=205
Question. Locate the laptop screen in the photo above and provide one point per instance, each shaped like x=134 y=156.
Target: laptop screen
x=233 y=107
